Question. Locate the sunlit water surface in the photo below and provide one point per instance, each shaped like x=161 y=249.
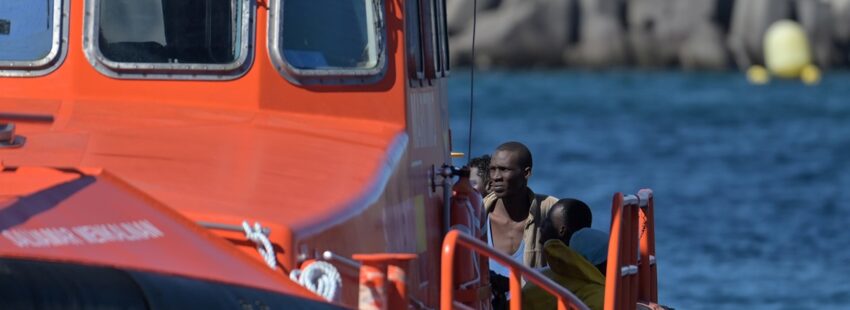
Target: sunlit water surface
x=750 y=181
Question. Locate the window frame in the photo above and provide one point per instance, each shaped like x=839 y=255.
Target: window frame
x=444 y=63
x=428 y=34
x=335 y=76
x=433 y=44
x=414 y=57
x=54 y=58
x=172 y=71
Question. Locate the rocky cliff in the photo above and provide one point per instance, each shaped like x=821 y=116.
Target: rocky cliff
x=692 y=34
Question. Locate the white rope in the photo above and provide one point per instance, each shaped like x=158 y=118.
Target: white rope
x=321 y=278
x=264 y=246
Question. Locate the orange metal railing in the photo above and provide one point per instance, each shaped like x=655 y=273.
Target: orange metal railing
x=629 y=279
x=622 y=256
x=455 y=238
x=647 y=270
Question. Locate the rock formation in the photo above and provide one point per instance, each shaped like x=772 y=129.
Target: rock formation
x=693 y=34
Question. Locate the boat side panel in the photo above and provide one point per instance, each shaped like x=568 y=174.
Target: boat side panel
x=233 y=150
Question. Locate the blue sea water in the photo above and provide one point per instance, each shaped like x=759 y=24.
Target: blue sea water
x=750 y=181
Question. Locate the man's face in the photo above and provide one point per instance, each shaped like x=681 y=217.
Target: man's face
x=477 y=181
x=506 y=176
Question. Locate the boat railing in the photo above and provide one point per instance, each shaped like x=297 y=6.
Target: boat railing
x=631 y=274
x=455 y=239
x=647 y=270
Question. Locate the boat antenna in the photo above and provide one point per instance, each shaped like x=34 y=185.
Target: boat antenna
x=472 y=81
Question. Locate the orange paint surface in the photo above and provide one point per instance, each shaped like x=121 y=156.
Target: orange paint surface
x=318 y=165
x=97 y=219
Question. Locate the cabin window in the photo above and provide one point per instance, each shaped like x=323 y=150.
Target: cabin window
x=442 y=38
x=427 y=43
x=328 y=41
x=31 y=36
x=415 y=65
x=205 y=39
x=429 y=37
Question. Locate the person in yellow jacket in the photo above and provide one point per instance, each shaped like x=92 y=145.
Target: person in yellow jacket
x=575 y=267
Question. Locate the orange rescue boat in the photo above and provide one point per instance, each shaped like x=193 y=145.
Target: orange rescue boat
x=238 y=153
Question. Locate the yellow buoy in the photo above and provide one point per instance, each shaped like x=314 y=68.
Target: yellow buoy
x=758 y=75
x=810 y=75
x=786 y=49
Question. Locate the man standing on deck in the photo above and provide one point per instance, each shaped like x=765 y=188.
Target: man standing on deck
x=514 y=212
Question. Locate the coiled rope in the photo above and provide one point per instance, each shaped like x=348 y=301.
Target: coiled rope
x=321 y=278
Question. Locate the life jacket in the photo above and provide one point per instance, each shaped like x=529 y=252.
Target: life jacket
x=572 y=271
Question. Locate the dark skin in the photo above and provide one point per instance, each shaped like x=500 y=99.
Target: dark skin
x=509 y=182
x=477 y=182
x=555 y=227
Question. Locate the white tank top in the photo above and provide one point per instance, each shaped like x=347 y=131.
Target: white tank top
x=517 y=256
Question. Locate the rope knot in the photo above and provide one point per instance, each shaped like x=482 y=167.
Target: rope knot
x=264 y=245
